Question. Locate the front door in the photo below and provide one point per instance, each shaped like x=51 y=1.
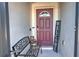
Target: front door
x=44 y=25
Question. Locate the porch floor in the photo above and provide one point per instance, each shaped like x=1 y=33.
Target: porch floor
x=48 y=53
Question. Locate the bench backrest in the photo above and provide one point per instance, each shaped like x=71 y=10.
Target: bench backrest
x=20 y=46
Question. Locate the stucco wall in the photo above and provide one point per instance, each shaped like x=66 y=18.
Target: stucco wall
x=19 y=20
x=42 y=5
x=67 y=13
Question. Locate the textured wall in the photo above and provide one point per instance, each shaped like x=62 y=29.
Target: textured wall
x=19 y=16
x=67 y=16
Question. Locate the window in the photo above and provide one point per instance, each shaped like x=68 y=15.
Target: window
x=44 y=14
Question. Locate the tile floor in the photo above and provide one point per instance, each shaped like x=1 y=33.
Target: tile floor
x=48 y=53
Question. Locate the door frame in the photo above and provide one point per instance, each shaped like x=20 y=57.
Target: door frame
x=34 y=10
x=51 y=20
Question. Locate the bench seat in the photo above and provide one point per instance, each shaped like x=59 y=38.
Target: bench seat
x=24 y=48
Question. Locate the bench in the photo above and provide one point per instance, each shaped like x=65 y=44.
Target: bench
x=32 y=51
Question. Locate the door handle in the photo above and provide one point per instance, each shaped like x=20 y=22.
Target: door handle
x=37 y=28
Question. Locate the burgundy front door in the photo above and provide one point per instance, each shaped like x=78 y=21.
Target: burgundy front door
x=44 y=25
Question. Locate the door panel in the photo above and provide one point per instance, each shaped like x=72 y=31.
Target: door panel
x=41 y=25
x=45 y=26
x=47 y=22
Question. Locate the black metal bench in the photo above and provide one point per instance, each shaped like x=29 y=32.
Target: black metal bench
x=21 y=45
